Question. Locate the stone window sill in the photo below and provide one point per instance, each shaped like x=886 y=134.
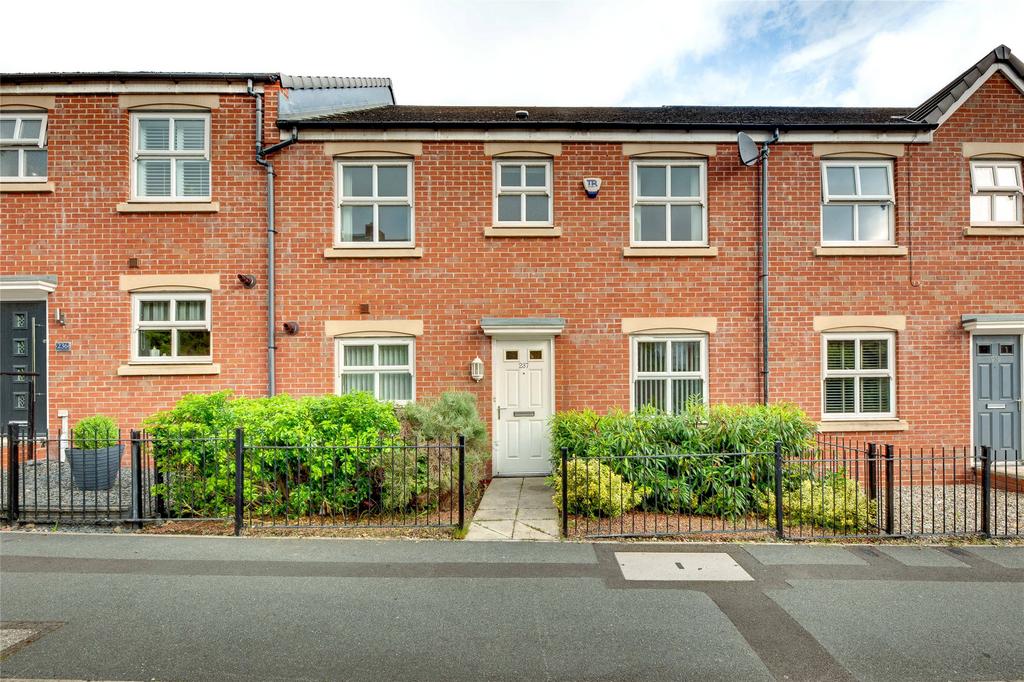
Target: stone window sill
x=860 y=251
x=374 y=253
x=26 y=187
x=670 y=251
x=168 y=207
x=156 y=369
x=522 y=232
x=854 y=425
x=994 y=231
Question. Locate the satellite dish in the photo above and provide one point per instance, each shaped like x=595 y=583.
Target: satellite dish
x=749 y=153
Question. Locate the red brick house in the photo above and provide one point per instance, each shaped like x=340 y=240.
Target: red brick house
x=413 y=240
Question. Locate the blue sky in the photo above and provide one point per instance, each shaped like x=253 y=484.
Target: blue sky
x=553 y=52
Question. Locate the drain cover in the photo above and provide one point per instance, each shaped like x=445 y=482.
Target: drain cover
x=680 y=566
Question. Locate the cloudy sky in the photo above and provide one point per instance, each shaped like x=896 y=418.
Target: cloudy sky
x=588 y=52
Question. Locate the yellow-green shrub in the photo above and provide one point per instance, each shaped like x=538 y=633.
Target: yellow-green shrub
x=835 y=502
x=595 y=490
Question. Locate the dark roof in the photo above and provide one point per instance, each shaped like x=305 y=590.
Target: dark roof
x=79 y=76
x=414 y=116
x=332 y=82
x=942 y=101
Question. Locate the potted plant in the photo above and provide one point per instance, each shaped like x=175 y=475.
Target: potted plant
x=95 y=454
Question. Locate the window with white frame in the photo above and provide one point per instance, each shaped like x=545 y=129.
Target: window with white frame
x=382 y=367
x=374 y=203
x=171 y=156
x=669 y=371
x=171 y=327
x=996 y=192
x=23 y=147
x=669 y=203
x=858 y=376
x=857 y=203
x=522 y=193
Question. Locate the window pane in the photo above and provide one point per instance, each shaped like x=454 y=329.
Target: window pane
x=30 y=129
x=874 y=354
x=686 y=181
x=873 y=223
x=154 y=343
x=537 y=208
x=154 y=133
x=358 y=356
x=981 y=209
x=7 y=128
x=650 y=223
x=509 y=207
x=190 y=311
x=357 y=181
x=9 y=163
x=397 y=355
x=874 y=181
x=650 y=392
x=154 y=311
x=685 y=356
x=536 y=176
x=190 y=134
x=356 y=382
x=1005 y=208
x=840 y=180
x=839 y=395
x=193 y=178
x=536 y=355
x=837 y=223
x=683 y=390
x=193 y=342
x=651 y=180
x=395 y=223
x=154 y=177
x=650 y=356
x=395 y=386
x=510 y=175
x=874 y=394
x=35 y=163
x=392 y=181
x=357 y=223
x=840 y=354
x=984 y=176
x=1006 y=176
x=686 y=224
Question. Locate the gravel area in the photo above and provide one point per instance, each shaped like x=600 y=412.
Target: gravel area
x=961 y=504
x=46 y=488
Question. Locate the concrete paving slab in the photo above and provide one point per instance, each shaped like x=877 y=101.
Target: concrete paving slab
x=503 y=527
x=495 y=514
x=529 y=514
x=1007 y=557
x=535 y=530
x=922 y=556
x=478 y=533
x=680 y=566
x=773 y=555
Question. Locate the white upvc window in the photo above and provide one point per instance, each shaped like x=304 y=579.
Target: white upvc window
x=669 y=201
x=668 y=371
x=522 y=193
x=23 y=147
x=384 y=368
x=171 y=327
x=858 y=376
x=373 y=203
x=170 y=156
x=996 y=192
x=857 y=201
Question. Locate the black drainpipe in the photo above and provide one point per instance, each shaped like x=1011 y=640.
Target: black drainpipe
x=764 y=266
x=261 y=158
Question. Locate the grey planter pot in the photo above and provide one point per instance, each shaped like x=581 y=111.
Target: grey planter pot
x=95 y=469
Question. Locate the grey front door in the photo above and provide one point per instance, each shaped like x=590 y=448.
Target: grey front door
x=22 y=351
x=997 y=395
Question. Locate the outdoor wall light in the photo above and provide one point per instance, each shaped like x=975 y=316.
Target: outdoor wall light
x=476 y=369
x=248 y=281
x=291 y=328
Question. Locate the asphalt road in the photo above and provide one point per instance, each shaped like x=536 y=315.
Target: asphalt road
x=117 y=607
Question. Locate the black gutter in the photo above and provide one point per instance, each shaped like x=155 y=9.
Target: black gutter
x=73 y=76
x=596 y=126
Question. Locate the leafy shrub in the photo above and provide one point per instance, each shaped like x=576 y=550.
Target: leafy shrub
x=93 y=433
x=835 y=502
x=593 y=489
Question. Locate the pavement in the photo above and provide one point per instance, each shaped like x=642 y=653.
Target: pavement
x=136 y=607
x=514 y=509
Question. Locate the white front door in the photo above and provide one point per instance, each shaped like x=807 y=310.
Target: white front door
x=523 y=398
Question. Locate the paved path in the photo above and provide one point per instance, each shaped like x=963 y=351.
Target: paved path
x=115 y=607
x=516 y=509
